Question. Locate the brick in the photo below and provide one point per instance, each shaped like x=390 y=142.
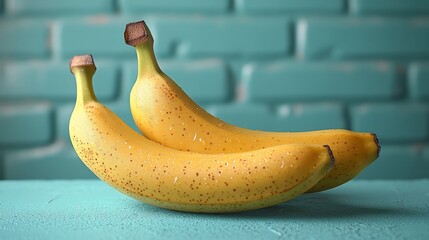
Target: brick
x=389 y=6
x=287 y=6
x=320 y=81
x=253 y=116
x=397 y=162
x=53 y=81
x=230 y=36
x=301 y=117
x=25 y=124
x=297 y=117
x=418 y=81
x=47 y=7
x=346 y=38
x=204 y=80
x=57 y=161
x=392 y=122
x=23 y=39
x=100 y=36
x=187 y=6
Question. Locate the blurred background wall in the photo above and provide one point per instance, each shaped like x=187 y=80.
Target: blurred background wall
x=290 y=65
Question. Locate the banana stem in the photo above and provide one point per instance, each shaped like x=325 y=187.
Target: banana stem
x=85 y=91
x=137 y=34
x=146 y=59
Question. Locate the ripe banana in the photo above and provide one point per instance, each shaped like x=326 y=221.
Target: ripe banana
x=185 y=181
x=165 y=114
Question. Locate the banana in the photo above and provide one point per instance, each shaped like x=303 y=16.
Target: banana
x=165 y=114
x=180 y=180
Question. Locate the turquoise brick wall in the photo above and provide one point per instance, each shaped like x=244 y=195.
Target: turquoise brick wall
x=279 y=65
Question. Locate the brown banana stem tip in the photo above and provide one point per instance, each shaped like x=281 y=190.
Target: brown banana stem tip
x=377 y=142
x=82 y=60
x=331 y=154
x=135 y=33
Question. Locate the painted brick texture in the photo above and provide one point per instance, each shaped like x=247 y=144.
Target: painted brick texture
x=292 y=65
x=25 y=124
x=224 y=36
x=291 y=6
x=172 y=6
x=23 y=39
x=418 y=83
x=53 y=81
x=321 y=81
x=398 y=7
x=45 y=7
x=366 y=38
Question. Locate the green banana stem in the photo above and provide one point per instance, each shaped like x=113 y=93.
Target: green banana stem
x=146 y=56
x=137 y=34
x=85 y=91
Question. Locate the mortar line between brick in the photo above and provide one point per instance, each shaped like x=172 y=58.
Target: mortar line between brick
x=346 y=6
x=346 y=115
x=116 y=7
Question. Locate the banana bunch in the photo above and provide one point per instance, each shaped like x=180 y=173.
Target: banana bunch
x=164 y=113
x=180 y=180
x=188 y=160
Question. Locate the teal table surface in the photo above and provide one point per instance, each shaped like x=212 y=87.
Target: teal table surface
x=89 y=209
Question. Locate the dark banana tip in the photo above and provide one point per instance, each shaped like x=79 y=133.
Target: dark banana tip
x=331 y=154
x=378 y=143
x=81 y=60
x=135 y=33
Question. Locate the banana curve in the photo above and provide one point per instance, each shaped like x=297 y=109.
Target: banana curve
x=166 y=114
x=187 y=181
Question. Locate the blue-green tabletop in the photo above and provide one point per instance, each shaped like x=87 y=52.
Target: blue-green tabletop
x=89 y=209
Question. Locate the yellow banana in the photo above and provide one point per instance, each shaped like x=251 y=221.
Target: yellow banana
x=180 y=180
x=165 y=114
